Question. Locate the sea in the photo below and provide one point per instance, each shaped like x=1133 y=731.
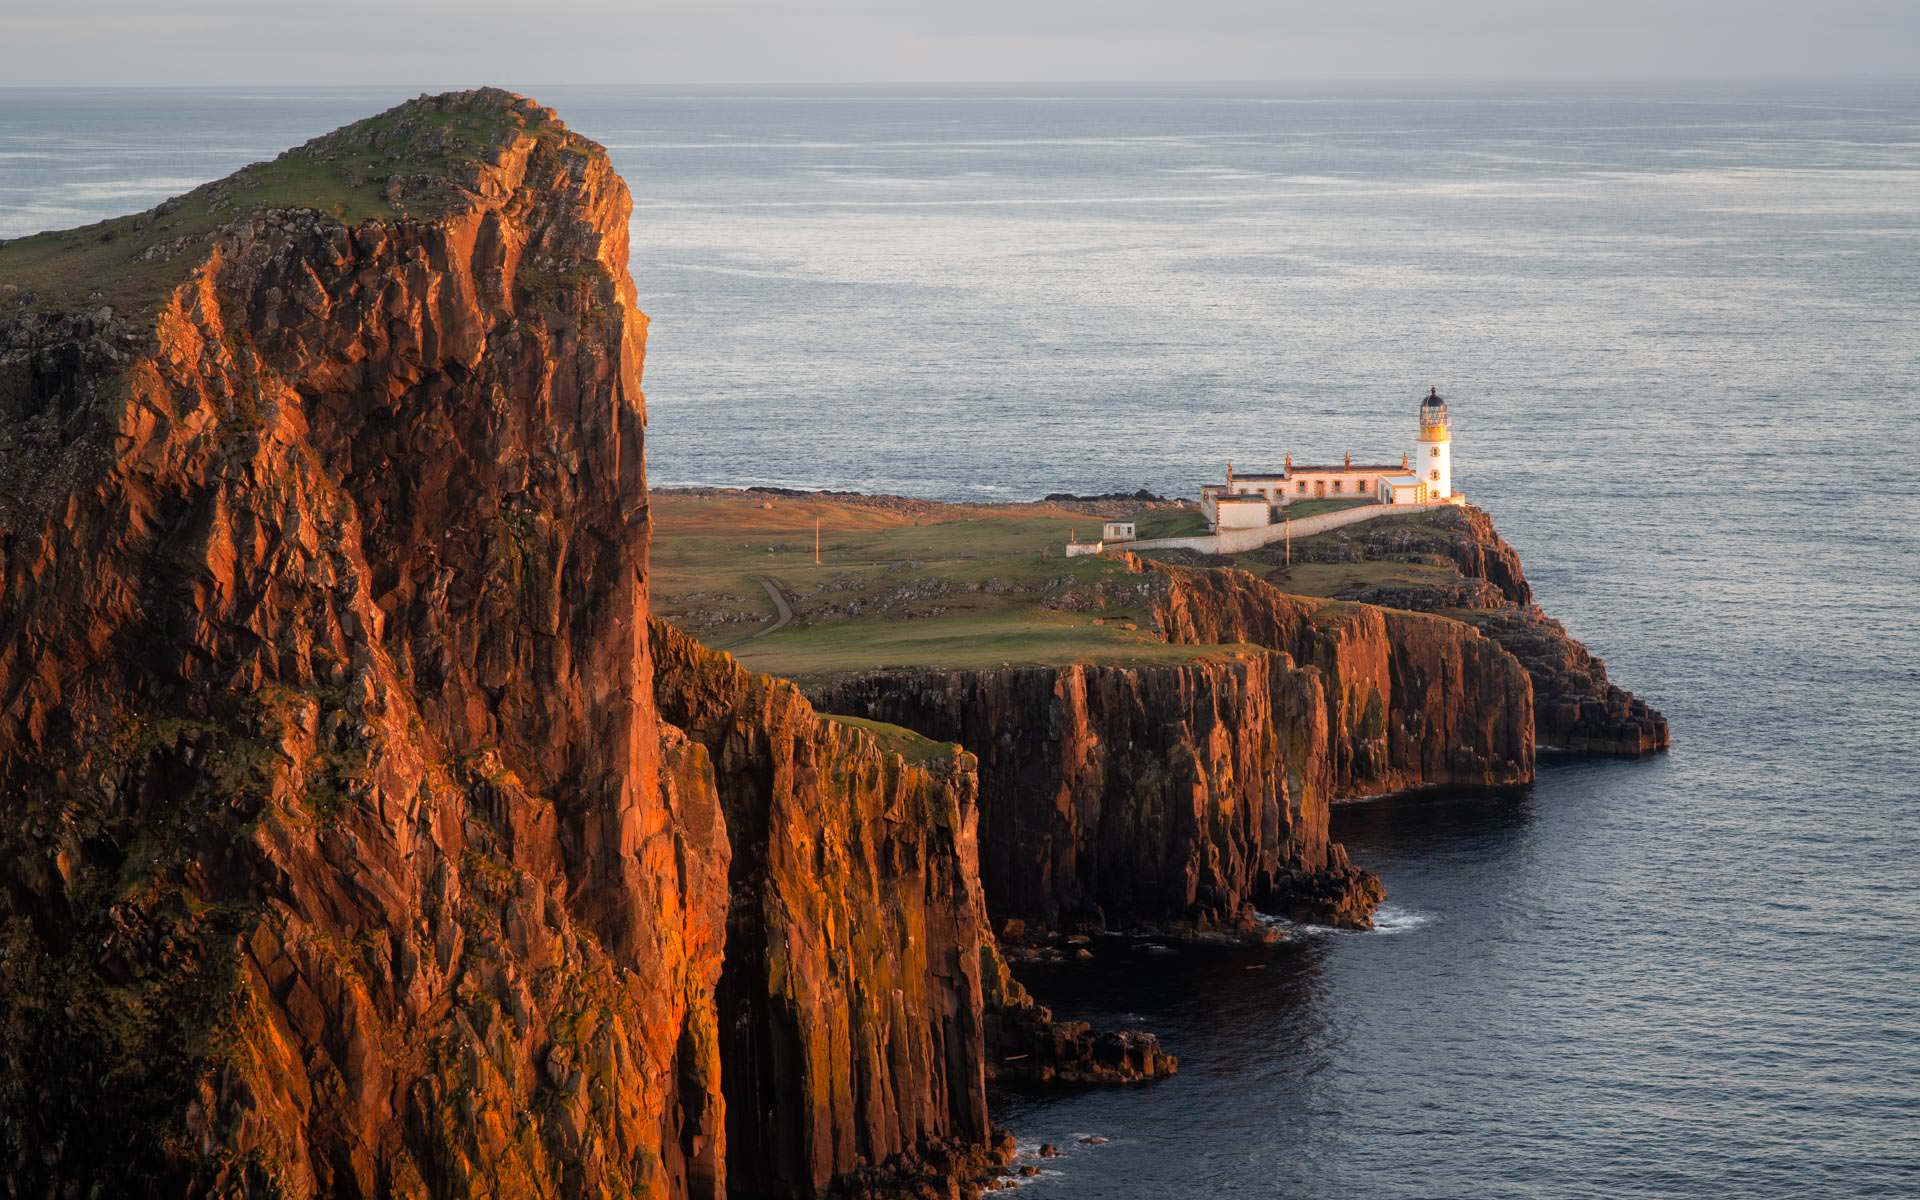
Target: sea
x=1678 y=326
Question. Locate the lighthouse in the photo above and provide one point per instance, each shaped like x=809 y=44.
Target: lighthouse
x=1433 y=460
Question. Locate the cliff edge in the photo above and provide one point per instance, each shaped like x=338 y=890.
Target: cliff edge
x=361 y=838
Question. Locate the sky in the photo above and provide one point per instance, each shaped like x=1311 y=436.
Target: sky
x=526 y=42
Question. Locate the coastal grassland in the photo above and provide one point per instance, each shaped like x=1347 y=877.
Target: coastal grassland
x=1341 y=578
x=901 y=583
x=897 y=739
x=130 y=263
x=1313 y=508
x=1170 y=522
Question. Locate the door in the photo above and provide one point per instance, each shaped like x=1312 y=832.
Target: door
x=1319 y=489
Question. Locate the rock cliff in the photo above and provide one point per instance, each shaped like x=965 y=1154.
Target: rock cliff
x=345 y=849
x=1576 y=706
x=1117 y=795
x=850 y=1000
x=1197 y=792
x=1411 y=700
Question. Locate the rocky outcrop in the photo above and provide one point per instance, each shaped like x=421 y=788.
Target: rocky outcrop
x=1412 y=701
x=1026 y=1045
x=1488 y=570
x=1479 y=552
x=1576 y=707
x=345 y=850
x=1111 y=795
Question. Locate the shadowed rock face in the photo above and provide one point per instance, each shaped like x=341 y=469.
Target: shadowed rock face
x=1116 y=795
x=1412 y=700
x=345 y=852
x=1576 y=707
x=1197 y=792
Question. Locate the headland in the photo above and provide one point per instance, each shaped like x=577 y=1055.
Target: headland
x=369 y=832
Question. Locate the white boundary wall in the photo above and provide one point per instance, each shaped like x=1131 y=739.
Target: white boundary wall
x=1235 y=541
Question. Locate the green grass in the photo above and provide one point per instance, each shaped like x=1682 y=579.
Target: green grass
x=975 y=641
x=103 y=263
x=949 y=586
x=1330 y=579
x=899 y=740
x=1170 y=522
x=132 y=262
x=1401 y=550
x=1314 y=508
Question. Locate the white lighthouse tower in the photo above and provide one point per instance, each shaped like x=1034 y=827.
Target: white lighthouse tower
x=1433 y=458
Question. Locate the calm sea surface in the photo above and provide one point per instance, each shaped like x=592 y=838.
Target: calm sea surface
x=1679 y=327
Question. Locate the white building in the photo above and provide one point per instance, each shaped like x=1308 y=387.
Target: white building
x=1239 y=512
x=1436 y=447
x=1401 y=489
x=1424 y=476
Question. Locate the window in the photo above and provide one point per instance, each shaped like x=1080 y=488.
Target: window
x=1435 y=452
x=1434 y=474
x=1336 y=485
x=1303 y=487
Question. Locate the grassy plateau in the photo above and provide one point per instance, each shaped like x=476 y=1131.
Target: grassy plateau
x=900 y=583
x=913 y=583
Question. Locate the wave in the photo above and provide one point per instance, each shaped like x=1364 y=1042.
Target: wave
x=1389 y=919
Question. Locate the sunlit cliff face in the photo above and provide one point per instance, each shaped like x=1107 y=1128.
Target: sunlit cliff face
x=348 y=852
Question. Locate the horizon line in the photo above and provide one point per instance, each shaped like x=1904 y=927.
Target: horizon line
x=1356 y=81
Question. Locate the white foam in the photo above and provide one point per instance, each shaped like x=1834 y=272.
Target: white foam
x=1389 y=918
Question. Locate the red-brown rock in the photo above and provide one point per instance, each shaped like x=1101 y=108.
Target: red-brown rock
x=344 y=850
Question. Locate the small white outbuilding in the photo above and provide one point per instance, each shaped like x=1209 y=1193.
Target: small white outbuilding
x=1401 y=489
x=1242 y=512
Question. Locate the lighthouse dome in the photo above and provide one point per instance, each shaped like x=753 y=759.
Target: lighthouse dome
x=1433 y=410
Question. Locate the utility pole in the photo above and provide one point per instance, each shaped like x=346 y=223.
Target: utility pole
x=816 y=540
x=1289 y=521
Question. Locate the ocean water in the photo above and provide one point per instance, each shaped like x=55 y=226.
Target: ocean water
x=1679 y=326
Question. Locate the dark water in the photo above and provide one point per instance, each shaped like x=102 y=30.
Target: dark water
x=1679 y=327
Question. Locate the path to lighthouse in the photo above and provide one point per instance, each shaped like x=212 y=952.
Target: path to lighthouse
x=1234 y=541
